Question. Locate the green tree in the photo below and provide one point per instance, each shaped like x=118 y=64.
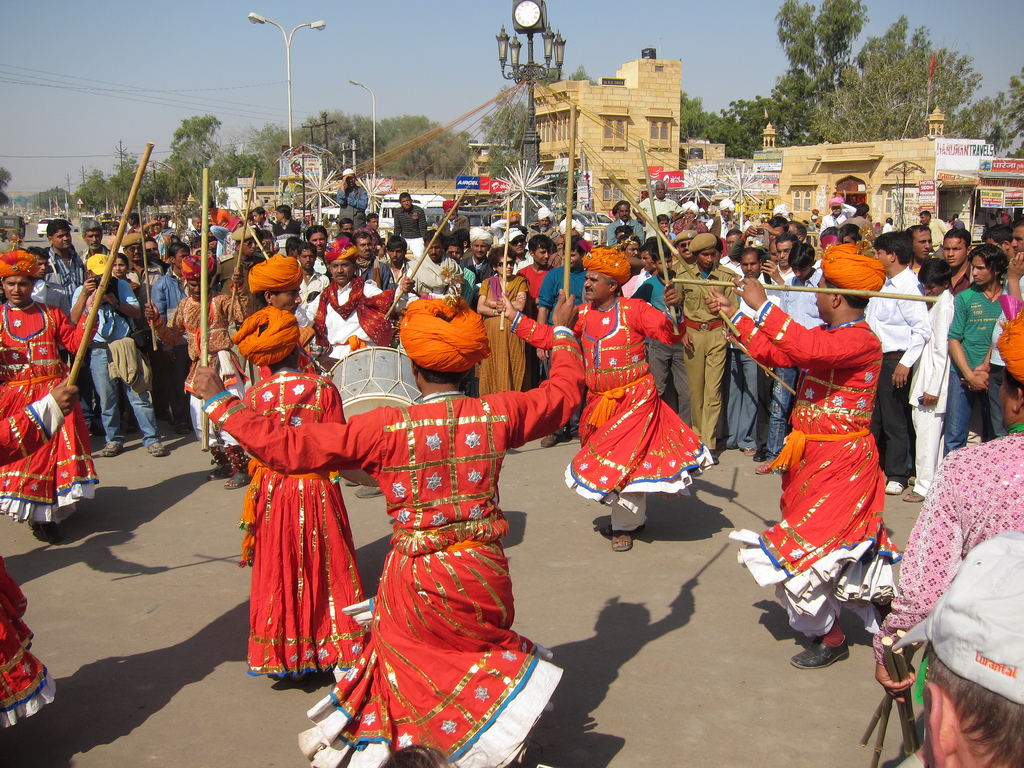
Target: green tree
x=50 y=199
x=883 y=94
x=93 y=192
x=193 y=145
x=694 y=122
x=5 y=179
x=581 y=74
x=820 y=45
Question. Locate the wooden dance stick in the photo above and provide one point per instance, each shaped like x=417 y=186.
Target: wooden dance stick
x=883 y=725
x=570 y=194
x=661 y=246
x=246 y=227
x=725 y=318
x=416 y=266
x=90 y=319
x=145 y=275
x=904 y=708
x=817 y=289
x=504 y=258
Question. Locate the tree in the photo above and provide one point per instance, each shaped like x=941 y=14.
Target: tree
x=50 y=199
x=883 y=94
x=193 y=145
x=820 y=45
x=693 y=120
x=581 y=74
x=93 y=192
x=5 y=179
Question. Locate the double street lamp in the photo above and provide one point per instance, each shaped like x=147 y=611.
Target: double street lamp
x=530 y=18
x=255 y=18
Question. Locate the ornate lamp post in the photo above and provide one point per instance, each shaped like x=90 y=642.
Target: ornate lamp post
x=530 y=18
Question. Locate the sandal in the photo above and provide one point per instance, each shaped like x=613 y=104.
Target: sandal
x=622 y=541
x=913 y=497
x=749 y=451
x=238 y=480
x=765 y=469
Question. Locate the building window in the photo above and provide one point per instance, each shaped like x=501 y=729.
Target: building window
x=615 y=133
x=610 y=193
x=660 y=132
x=801 y=200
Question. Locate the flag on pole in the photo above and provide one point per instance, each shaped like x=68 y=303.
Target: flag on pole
x=931 y=71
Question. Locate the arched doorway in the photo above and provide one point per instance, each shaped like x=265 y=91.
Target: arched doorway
x=853 y=190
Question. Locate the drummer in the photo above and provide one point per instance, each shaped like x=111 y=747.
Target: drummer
x=351 y=313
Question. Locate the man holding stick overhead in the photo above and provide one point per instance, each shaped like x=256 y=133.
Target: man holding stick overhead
x=831 y=547
x=632 y=442
x=442 y=666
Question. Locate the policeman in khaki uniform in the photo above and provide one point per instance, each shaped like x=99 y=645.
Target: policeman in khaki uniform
x=705 y=361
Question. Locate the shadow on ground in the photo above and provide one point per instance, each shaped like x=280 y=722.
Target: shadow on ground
x=590 y=668
x=102 y=523
x=108 y=699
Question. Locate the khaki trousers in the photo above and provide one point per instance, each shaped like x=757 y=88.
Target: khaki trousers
x=705 y=370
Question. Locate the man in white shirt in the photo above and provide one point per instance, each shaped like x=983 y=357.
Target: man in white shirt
x=313 y=284
x=903 y=328
x=350 y=312
x=660 y=206
x=840 y=213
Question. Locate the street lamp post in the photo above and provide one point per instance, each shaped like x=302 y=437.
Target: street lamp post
x=255 y=18
x=530 y=71
x=373 y=106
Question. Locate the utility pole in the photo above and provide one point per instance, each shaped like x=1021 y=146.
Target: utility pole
x=122 y=153
x=323 y=124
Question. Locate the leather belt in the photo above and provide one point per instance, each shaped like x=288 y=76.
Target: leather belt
x=893 y=355
x=703 y=326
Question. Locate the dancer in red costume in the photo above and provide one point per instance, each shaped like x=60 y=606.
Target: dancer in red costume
x=442 y=666
x=43 y=487
x=25 y=685
x=297 y=536
x=632 y=443
x=831 y=548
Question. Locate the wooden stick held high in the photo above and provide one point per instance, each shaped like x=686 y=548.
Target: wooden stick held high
x=204 y=297
x=661 y=246
x=570 y=196
x=815 y=289
x=90 y=319
x=426 y=250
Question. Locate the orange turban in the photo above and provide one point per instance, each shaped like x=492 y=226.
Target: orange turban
x=278 y=273
x=190 y=269
x=610 y=262
x=846 y=267
x=1011 y=346
x=18 y=264
x=444 y=337
x=267 y=336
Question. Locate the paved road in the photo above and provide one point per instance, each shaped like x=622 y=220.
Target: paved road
x=672 y=654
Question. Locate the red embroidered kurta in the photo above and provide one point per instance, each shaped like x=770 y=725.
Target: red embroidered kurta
x=835 y=495
x=186 y=321
x=442 y=666
x=22 y=675
x=642 y=446
x=304 y=569
x=61 y=471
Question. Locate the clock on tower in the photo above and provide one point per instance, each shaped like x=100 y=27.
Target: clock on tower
x=529 y=15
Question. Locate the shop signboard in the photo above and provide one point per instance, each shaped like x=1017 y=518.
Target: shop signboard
x=926 y=194
x=962 y=154
x=991 y=198
x=1013 y=198
x=1004 y=165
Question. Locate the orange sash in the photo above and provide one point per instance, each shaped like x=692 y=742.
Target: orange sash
x=793 y=451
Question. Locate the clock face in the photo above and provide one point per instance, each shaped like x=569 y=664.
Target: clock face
x=527 y=13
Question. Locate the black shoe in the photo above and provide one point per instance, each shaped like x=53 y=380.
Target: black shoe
x=819 y=656
x=761 y=456
x=97 y=430
x=549 y=441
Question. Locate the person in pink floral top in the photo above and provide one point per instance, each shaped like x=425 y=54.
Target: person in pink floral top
x=978 y=493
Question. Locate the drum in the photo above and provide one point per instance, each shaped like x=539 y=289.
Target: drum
x=372 y=377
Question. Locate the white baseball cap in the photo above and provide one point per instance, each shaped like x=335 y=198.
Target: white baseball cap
x=977 y=626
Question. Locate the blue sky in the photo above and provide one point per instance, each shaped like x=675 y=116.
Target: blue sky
x=136 y=69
